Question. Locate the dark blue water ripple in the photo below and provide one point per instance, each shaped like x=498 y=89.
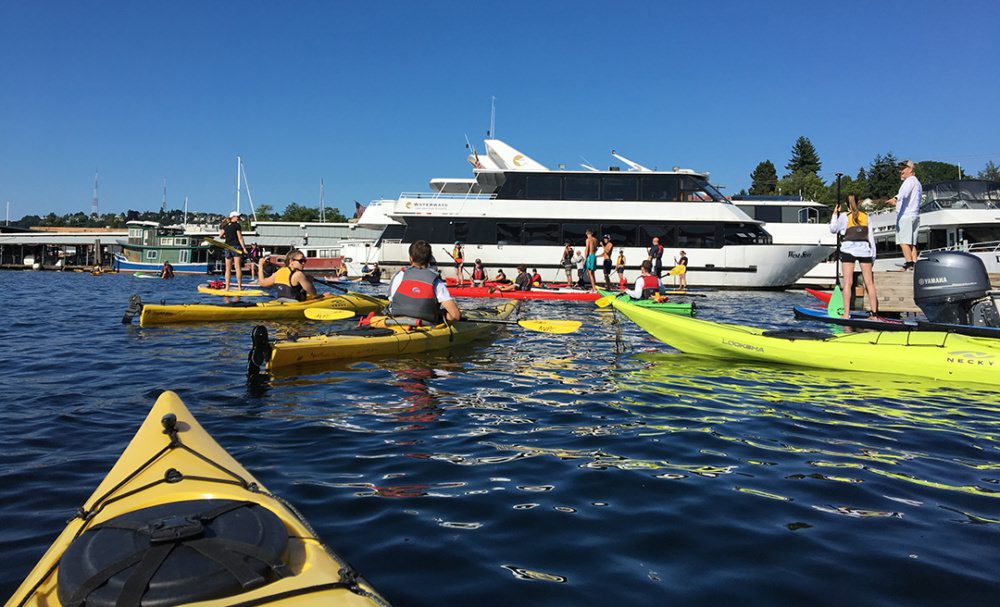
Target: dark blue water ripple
x=533 y=469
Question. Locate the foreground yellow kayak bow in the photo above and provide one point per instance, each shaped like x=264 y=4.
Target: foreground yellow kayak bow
x=178 y=521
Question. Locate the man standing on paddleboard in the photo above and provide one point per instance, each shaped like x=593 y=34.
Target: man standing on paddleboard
x=590 y=256
x=907 y=203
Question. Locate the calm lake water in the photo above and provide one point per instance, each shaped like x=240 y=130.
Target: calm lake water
x=534 y=469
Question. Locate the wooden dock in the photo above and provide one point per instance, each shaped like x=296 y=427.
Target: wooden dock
x=895 y=292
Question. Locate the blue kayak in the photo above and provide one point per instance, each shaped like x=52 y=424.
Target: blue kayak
x=861 y=320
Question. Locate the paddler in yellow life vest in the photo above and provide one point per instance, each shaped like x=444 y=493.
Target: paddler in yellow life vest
x=858 y=246
x=459 y=256
x=290 y=281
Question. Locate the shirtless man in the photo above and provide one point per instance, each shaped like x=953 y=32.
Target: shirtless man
x=590 y=257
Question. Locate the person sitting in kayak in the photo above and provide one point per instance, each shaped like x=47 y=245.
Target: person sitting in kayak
x=419 y=293
x=522 y=282
x=648 y=284
x=374 y=275
x=290 y=281
x=478 y=274
x=501 y=278
x=536 y=278
x=167 y=271
x=858 y=246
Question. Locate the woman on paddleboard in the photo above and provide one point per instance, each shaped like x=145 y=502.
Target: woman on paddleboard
x=620 y=268
x=232 y=233
x=568 y=262
x=459 y=256
x=857 y=246
x=680 y=270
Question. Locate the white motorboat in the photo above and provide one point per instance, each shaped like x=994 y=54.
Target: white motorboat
x=515 y=210
x=954 y=215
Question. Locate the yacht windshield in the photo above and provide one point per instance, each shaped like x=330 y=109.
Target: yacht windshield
x=970 y=194
x=702 y=190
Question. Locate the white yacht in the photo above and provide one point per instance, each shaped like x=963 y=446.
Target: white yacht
x=954 y=215
x=515 y=210
x=791 y=220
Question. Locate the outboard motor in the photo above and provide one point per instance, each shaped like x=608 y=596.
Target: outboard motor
x=952 y=287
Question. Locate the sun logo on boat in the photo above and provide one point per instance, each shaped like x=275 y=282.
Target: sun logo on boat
x=518 y=160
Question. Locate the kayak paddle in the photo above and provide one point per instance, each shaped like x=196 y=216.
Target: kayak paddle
x=539 y=325
x=335 y=286
x=327 y=314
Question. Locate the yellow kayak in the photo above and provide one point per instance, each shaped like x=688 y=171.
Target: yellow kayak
x=159 y=314
x=233 y=292
x=178 y=521
x=930 y=354
x=379 y=339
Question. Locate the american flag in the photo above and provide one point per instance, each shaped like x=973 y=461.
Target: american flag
x=358 y=209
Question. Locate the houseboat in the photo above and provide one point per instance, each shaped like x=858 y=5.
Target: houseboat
x=149 y=245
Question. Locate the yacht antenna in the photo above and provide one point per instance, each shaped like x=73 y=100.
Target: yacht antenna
x=586 y=164
x=492 y=134
x=635 y=166
x=93 y=205
x=322 y=208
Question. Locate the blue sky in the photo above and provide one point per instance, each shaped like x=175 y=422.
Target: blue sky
x=376 y=98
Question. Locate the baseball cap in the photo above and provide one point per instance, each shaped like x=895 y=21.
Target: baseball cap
x=234 y=214
x=906 y=164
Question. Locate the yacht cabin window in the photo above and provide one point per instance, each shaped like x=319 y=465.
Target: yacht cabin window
x=581 y=187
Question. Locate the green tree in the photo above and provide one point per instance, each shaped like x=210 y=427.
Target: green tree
x=804 y=157
x=883 y=177
x=932 y=171
x=990 y=172
x=803 y=183
x=297 y=212
x=765 y=179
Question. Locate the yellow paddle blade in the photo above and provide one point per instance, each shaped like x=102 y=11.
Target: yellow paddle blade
x=551 y=326
x=328 y=314
x=677 y=270
x=605 y=301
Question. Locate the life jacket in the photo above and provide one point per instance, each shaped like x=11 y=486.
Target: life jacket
x=650 y=285
x=283 y=286
x=457 y=254
x=857 y=231
x=415 y=295
x=656 y=252
x=478 y=273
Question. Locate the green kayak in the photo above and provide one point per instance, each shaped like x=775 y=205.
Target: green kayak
x=674 y=307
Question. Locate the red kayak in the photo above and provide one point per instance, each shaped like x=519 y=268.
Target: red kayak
x=823 y=296
x=453 y=282
x=563 y=294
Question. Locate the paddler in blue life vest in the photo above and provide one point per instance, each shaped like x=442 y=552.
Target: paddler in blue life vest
x=419 y=292
x=648 y=284
x=290 y=281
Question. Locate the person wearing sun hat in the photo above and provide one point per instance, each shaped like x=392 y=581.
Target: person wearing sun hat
x=232 y=232
x=907 y=203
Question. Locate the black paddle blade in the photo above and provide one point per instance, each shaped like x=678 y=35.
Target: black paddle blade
x=260 y=351
x=134 y=307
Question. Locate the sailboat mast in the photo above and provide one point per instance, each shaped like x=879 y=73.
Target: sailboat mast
x=163 y=202
x=239 y=169
x=93 y=204
x=322 y=207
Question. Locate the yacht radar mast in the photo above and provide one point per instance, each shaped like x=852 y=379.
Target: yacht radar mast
x=635 y=166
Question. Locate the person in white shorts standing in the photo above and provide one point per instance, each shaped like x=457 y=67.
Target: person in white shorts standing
x=907 y=203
